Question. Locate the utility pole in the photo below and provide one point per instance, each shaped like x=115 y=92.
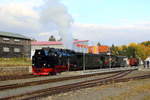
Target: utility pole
x=68 y=63
x=109 y=53
x=83 y=60
x=110 y=61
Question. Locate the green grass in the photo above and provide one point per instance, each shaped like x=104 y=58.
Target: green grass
x=11 y=62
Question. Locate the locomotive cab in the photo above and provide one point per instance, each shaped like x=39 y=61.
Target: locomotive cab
x=40 y=64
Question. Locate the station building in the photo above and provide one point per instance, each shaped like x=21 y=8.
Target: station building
x=14 y=45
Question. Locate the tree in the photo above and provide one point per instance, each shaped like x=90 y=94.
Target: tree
x=52 y=38
x=131 y=52
x=123 y=50
x=146 y=43
x=141 y=51
x=114 y=50
x=98 y=44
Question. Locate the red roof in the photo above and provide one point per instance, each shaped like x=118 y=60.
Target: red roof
x=46 y=43
x=81 y=40
x=53 y=42
x=98 y=49
x=103 y=48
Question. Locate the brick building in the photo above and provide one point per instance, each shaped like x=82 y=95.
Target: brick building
x=14 y=45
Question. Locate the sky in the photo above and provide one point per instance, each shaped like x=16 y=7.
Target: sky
x=109 y=22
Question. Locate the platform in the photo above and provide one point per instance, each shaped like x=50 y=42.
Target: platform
x=144 y=68
x=83 y=72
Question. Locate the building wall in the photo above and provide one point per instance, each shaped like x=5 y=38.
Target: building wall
x=14 y=47
x=98 y=49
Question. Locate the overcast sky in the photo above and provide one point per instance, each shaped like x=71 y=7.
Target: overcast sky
x=107 y=21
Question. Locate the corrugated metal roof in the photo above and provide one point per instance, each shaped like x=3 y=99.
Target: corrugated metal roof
x=9 y=34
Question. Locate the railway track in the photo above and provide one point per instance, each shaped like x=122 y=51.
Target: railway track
x=27 y=76
x=72 y=86
x=15 y=77
x=32 y=83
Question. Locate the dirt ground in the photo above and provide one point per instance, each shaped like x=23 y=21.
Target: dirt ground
x=132 y=90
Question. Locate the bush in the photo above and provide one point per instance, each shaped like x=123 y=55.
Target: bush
x=8 y=62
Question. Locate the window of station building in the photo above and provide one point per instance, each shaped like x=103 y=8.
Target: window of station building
x=17 y=40
x=6 y=39
x=16 y=49
x=6 y=49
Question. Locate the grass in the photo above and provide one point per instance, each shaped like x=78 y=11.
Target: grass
x=136 y=90
x=11 y=62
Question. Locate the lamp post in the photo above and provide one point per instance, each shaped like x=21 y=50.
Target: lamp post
x=83 y=59
x=68 y=63
x=109 y=59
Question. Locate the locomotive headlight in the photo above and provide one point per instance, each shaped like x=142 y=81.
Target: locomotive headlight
x=44 y=64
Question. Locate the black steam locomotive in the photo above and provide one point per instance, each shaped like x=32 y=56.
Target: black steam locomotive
x=51 y=61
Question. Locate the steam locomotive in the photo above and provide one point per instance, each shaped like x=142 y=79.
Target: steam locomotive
x=49 y=61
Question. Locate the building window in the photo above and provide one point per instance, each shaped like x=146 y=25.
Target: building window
x=16 y=40
x=6 y=49
x=16 y=49
x=6 y=39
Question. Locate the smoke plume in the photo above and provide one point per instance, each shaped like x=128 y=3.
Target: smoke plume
x=54 y=12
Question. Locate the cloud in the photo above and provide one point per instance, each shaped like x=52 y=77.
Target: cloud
x=28 y=16
x=109 y=34
x=47 y=34
x=54 y=12
x=18 y=17
x=23 y=16
x=44 y=34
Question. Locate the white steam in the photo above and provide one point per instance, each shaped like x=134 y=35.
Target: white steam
x=54 y=12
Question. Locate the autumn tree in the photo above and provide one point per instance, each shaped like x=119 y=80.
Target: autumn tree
x=146 y=43
x=114 y=50
x=140 y=51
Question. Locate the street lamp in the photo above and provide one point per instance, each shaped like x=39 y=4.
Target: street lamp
x=109 y=59
x=83 y=59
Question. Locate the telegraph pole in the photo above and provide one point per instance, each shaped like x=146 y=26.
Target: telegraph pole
x=109 y=53
x=83 y=60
